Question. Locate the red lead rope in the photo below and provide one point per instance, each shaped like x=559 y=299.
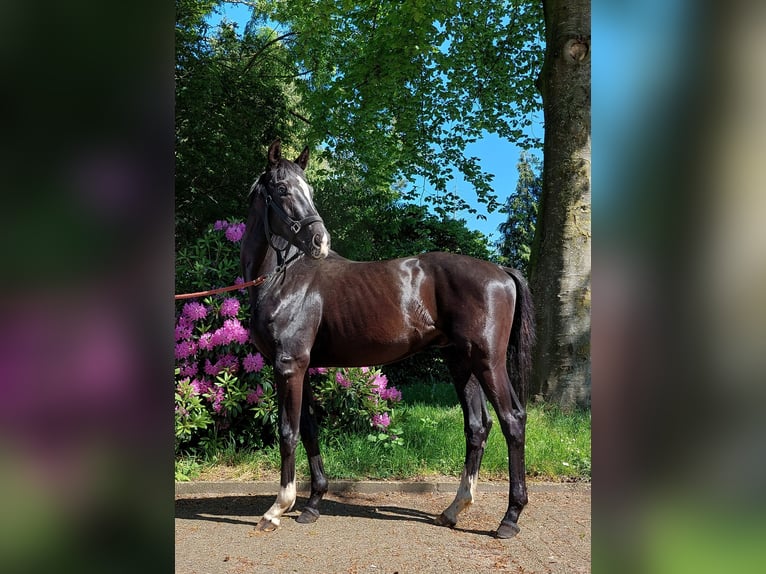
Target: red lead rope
x=253 y=283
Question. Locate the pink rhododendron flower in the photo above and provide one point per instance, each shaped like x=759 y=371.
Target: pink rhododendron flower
x=211 y=369
x=218 y=337
x=253 y=363
x=379 y=382
x=239 y=333
x=391 y=394
x=234 y=232
x=194 y=310
x=183 y=332
x=232 y=330
x=228 y=363
x=230 y=307
x=217 y=398
x=189 y=369
x=205 y=341
x=381 y=420
x=185 y=348
x=318 y=371
x=341 y=380
x=184 y=327
x=200 y=386
x=254 y=396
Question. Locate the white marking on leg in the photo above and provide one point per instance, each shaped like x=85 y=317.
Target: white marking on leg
x=464 y=498
x=284 y=503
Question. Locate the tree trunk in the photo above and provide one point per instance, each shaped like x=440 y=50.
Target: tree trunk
x=561 y=265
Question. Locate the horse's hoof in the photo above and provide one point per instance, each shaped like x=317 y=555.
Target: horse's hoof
x=266 y=525
x=442 y=520
x=507 y=530
x=308 y=516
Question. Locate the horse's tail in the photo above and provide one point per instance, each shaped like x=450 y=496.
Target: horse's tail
x=522 y=336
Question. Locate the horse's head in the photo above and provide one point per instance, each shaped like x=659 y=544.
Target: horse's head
x=290 y=210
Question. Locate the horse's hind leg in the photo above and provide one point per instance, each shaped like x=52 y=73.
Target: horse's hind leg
x=477 y=424
x=310 y=438
x=513 y=419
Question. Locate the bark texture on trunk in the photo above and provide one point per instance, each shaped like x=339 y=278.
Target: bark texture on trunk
x=561 y=264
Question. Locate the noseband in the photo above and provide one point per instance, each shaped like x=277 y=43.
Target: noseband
x=292 y=224
x=295 y=226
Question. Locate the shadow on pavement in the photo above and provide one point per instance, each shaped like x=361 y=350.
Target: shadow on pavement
x=249 y=509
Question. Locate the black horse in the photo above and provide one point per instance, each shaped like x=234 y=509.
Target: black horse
x=318 y=309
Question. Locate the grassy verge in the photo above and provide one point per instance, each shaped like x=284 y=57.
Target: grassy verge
x=558 y=447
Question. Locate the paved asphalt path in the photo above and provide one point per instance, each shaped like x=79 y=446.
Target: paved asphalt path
x=380 y=528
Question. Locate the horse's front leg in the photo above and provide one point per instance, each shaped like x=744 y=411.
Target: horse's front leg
x=289 y=371
x=310 y=437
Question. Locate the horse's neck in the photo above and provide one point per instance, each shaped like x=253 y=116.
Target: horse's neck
x=255 y=249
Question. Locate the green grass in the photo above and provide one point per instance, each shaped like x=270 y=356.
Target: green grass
x=558 y=447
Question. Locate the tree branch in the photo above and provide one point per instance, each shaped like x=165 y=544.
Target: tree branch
x=287 y=76
x=242 y=2
x=299 y=116
x=252 y=59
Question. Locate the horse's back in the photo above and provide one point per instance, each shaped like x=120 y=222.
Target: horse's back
x=460 y=280
x=438 y=279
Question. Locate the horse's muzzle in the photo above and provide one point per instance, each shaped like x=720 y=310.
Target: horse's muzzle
x=320 y=245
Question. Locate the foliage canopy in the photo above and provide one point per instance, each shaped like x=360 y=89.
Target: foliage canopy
x=388 y=95
x=406 y=86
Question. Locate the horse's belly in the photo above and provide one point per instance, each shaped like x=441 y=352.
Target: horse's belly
x=374 y=347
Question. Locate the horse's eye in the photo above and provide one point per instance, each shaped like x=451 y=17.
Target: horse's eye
x=282 y=189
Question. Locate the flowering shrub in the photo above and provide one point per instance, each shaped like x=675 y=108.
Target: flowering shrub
x=223 y=387
x=354 y=399
x=212 y=261
x=224 y=391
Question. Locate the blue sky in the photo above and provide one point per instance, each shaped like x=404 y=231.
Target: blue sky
x=498 y=156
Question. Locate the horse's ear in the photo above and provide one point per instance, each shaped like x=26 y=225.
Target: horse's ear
x=303 y=159
x=275 y=152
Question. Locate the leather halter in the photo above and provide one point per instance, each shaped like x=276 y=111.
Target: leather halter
x=293 y=225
